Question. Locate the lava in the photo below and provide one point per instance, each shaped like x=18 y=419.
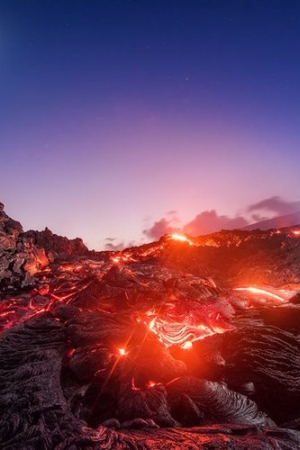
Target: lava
x=122 y=258
x=185 y=322
x=122 y=351
x=181 y=238
x=118 y=341
x=266 y=293
x=296 y=232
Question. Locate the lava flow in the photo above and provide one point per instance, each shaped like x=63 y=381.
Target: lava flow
x=181 y=238
x=186 y=321
x=181 y=333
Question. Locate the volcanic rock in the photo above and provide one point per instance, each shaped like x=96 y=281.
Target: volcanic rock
x=58 y=247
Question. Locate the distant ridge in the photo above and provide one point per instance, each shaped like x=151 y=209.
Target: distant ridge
x=288 y=220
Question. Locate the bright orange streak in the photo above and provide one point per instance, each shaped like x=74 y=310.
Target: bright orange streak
x=255 y=290
x=182 y=238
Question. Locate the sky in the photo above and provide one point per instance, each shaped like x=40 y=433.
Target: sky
x=121 y=120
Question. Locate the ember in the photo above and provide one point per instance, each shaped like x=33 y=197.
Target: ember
x=164 y=338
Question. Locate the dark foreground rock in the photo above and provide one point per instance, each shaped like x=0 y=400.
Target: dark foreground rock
x=36 y=414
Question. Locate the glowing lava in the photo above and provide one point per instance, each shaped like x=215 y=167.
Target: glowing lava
x=122 y=258
x=188 y=345
x=185 y=322
x=263 y=292
x=181 y=238
x=296 y=232
x=122 y=351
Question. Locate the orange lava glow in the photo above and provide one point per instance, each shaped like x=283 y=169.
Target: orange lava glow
x=122 y=351
x=188 y=345
x=296 y=232
x=122 y=258
x=151 y=384
x=183 y=323
x=181 y=238
x=262 y=292
x=178 y=333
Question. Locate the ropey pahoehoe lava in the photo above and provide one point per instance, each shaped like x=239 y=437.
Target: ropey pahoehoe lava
x=184 y=343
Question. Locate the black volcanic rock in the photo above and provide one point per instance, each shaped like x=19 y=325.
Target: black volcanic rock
x=9 y=230
x=20 y=259
x=23 y=254
x=57 y=247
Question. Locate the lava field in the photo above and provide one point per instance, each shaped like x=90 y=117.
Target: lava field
x=184 y=343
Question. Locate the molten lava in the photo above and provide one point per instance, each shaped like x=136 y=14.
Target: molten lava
x=296 y=232
x=185 y=322
x=268 y=293
x=122 y=351
x=181 y=238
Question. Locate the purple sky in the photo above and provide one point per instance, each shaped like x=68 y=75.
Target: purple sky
x=118 y=115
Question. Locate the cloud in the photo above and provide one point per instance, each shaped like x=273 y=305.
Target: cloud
x=275 y=205
x=114 y=246
x=210 y=221
x=161 y=227
x=204 y=222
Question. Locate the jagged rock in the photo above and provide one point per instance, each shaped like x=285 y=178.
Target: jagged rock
x=270 y=358
x=9 y=230
x=58 y=247
x=146 y=403
x=194 y=402
x=19 y=258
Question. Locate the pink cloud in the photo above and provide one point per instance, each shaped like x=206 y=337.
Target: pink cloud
x=159 y=228
x=276 y=205
x=209 y=221
x=204 y=222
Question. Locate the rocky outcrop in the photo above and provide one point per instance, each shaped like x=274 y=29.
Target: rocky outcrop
x=9 y=231
x=57 y=247
x=23 y=254
x=20 y=259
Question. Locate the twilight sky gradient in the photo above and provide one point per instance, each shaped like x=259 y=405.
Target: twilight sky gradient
x=116 y=115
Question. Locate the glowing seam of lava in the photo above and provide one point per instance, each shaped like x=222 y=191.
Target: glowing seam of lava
x=296 y=232
x=182 y=238
x=149 y=385
x=176 y=333
x=125 y=257
x=255 y=290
